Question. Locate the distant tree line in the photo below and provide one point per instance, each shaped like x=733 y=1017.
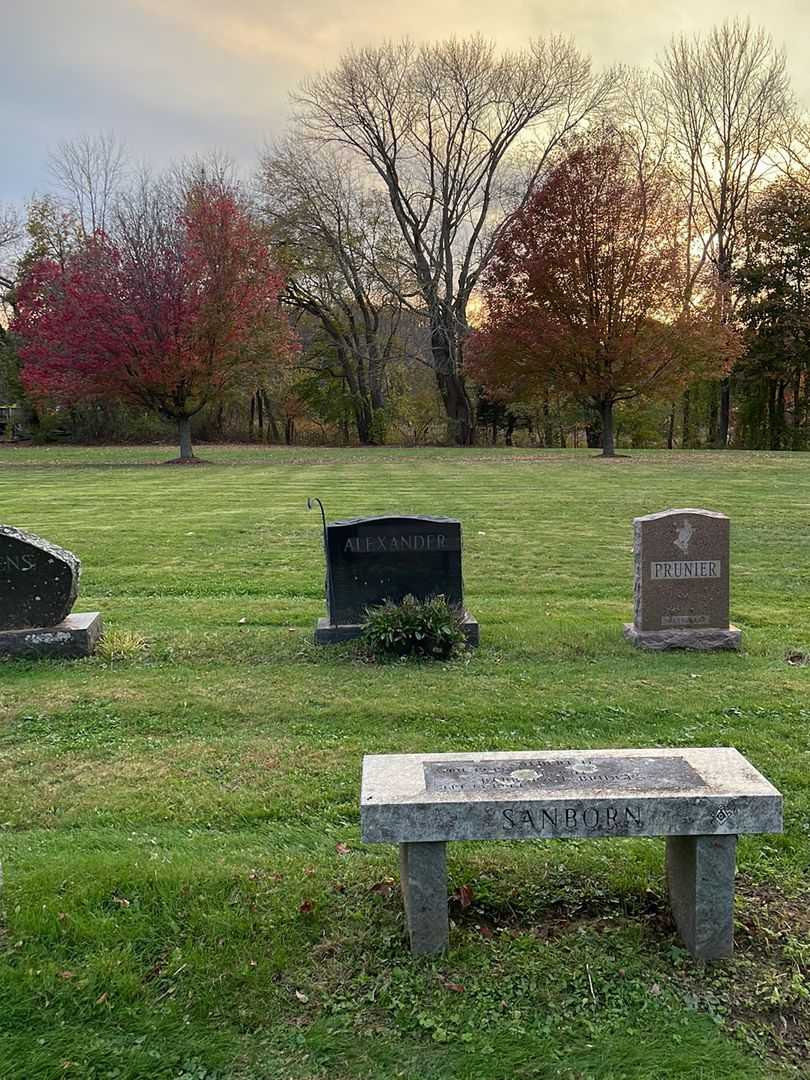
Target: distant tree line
x=450 y=243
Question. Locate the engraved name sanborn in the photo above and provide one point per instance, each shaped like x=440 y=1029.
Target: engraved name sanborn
x=558 y=819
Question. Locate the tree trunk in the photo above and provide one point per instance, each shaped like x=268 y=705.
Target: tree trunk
x=712 y=433
x=780 y=426
x=608 y=443
x=271 y=420
x=795 y=416
x=724 y=420
x=671 y=428
x=458 y=409
x=355 y=382
x=686 y=432
x=548 y=427
x=184 y=432
x=444 y=347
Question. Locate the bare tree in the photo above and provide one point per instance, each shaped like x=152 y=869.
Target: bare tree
x=342 y=251
x=727 y=96
x=88 y=172
x=439 y=125
x=10 y=233
x=794 y=155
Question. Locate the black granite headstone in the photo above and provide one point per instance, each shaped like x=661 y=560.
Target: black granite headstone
x=374 y=559
x=39 y=581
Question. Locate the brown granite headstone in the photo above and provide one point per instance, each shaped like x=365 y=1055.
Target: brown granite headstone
x=682 y=581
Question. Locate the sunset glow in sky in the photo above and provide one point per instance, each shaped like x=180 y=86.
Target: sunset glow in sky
x=177 y=77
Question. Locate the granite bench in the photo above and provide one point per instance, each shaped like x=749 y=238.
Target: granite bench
x=700 y=799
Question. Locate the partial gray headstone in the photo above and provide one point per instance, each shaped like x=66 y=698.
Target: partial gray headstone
x=682 y=581
x=39 y=582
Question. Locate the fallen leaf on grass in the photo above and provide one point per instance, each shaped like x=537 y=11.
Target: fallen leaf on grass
x=464 y=895
x=797 y=659
x=486 y=932
x=102 y=998
x=121 y=901
x=306 y=906
x=384 y=887
x=342 y=849
x=457 y=988
x=66 y=975
x=301 y=997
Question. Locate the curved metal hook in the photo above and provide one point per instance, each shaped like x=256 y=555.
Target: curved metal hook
x=329 y=601
x=310 y=504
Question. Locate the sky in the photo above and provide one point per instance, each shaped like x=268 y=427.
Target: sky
x=172 y=78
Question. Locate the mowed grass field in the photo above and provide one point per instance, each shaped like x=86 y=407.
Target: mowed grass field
x=185 y=893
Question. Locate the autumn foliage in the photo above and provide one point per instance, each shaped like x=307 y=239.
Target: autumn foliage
x=174 y=309
x=584 y=295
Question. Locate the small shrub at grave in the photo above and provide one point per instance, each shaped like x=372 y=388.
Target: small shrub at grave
x=430 y=629
x=117 y=645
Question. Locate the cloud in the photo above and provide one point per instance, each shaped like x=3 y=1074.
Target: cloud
x=176 y=77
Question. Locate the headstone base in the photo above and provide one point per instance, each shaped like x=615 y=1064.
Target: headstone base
x=327 y=634
x=704 y=638
x=74 y=637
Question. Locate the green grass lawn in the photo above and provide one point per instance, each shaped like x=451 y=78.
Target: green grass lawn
x=185 y=892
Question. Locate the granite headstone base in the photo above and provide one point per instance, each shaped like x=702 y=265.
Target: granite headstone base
x=74 y=637
x=328 y=634
x=705 y=639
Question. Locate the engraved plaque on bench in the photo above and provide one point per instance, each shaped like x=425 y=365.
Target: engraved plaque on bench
x=600 y=773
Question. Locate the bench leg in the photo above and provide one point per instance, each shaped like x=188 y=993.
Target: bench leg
x=700 y=873
x=423 y=873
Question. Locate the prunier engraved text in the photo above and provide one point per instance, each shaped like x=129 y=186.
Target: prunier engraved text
x=680 y=571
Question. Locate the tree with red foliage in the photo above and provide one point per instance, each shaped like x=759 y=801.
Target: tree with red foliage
x=583 y=295
x=172 y=309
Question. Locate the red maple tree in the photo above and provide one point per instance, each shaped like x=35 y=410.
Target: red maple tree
x=173 y=310
x=584 y=293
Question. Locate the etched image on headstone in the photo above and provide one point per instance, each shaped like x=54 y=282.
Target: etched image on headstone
x=373 y=559
x=682 y=581
x=39 y=583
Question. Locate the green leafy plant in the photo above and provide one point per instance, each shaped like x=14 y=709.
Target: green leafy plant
x=430 y=629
